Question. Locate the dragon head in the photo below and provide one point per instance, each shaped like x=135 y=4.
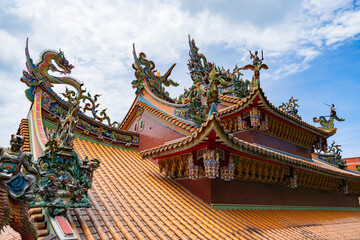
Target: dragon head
x=63 y=63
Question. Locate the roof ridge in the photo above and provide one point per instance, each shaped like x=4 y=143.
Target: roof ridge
x=175 y=121
x=253 y=148
x=258 y=90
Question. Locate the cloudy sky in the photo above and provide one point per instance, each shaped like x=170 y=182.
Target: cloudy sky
x=312 y=49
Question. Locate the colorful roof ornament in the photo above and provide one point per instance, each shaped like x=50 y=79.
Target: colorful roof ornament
x=333 y=155
x=256 y=67
x=290 y=107
x=90 y=105
x=207 y=77
x=37 y=74
x=16 y=187
x=208 y=82
x=328 y=124
x=67 y=178
x=147 y=76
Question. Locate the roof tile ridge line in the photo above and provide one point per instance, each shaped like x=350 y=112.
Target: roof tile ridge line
x=240 y=142
x=231 y=99
x=260 y=150
x=176 y=121
x=293 y=117
x=132 y=108
x=182 y=140
x=281 y=156
x=185 y=139
x=265 y=151
x=237 y=99
x=239 y=104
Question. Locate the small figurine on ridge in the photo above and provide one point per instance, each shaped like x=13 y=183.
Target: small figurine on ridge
x=256 y=67
x=328 y=124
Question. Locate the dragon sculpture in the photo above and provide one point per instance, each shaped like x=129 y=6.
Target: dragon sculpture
x=333 y=155
x=37 y=74
x=145 y=73
x=208 y=80
x=290 y=107
x=328 y=124
x=256 y=67
x=207 y=77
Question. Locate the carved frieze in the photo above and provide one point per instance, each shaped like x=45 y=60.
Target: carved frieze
x=244 y=168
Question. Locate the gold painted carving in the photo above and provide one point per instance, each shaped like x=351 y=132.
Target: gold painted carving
x=251 y=169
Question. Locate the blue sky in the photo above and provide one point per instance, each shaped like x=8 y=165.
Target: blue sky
x=312 y=49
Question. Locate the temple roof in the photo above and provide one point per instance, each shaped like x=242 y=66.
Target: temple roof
x=157 y=110
x=223 y=137
x=264 y=103
x=168 y=117
x=132 y=200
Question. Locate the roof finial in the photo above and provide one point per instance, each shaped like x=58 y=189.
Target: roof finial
x=256 y=67
x=213 y=110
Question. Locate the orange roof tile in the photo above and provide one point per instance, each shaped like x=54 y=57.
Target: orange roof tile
x=24 y=131
x=132 y=200
x=229 y=99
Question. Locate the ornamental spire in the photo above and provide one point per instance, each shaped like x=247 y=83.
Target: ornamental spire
x=256 y=67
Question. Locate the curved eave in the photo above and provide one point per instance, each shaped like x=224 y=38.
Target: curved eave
x=126 y=122
x=229 y=99
x=87 y=118
x=213 y=123
x=274 y=110
x=148 y=90
x=171 y=119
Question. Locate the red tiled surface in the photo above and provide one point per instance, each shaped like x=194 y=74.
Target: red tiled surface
x=352 y=163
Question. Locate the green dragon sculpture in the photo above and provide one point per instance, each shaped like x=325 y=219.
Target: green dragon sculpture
x=328 y=124
x=56 y=62
x=208 y=80
x=333 y=155
x=145 y=72
x=290 y=107
x=37 y=74
x=215 y=80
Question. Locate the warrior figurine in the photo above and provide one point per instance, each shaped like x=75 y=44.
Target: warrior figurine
x=256 y=67
x=11 y=159
x=16 y=188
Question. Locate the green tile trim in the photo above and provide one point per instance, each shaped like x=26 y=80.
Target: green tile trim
x=275 y=207
x=52 y=125
x=47 y=123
